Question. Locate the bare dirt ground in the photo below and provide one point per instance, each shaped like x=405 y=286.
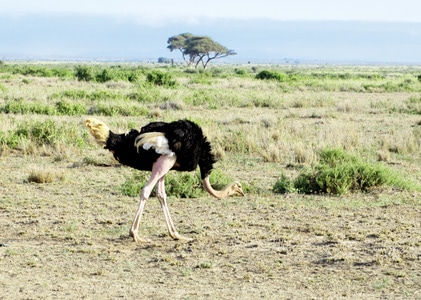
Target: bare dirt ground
x=68 y=239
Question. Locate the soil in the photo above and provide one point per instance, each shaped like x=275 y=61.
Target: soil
x=68 y=239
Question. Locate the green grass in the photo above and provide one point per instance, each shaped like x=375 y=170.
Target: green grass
x=44 y=133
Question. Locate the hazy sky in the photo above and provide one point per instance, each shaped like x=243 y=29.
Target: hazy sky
x=157 y=11
x=264 y=30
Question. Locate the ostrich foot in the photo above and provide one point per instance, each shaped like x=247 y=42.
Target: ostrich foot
x=137 y=238
x=177 y=236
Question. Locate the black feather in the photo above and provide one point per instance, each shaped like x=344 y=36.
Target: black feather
x=185 y=139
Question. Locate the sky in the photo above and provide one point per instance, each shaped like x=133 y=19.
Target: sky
x=357 y=30
x=159 y=11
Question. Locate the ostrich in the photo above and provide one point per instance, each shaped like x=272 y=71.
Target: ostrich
x=160 y=147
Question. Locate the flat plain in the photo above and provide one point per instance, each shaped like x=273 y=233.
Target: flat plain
x=65 y=211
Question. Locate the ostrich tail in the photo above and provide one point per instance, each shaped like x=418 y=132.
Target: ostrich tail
x=98 y=129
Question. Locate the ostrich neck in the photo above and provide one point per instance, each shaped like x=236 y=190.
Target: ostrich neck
x=217 y=194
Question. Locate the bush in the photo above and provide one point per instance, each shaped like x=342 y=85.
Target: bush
x=84 y=73
x=284 y=185
x=160 y=78
x=177 y=184
x=271 y=75
x=134 y=184
x=240 y=72
x=70 y=109
x=116 y=73
x=104 y=76
x=339 y=173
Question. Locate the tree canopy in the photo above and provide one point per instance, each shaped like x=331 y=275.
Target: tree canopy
x=198 y=49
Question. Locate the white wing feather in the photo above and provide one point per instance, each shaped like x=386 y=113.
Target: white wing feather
x=154 y=140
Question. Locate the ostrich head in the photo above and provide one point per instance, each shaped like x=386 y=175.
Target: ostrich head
x=234 y=188
x=98 y=129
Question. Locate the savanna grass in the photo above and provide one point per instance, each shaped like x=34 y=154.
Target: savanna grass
x=283 y=121
x=43 y=133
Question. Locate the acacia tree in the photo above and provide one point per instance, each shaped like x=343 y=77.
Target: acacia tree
x=179 y=42
x=198 y=49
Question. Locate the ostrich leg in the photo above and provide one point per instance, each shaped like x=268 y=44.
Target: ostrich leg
x=161 y=167
x=136 y=221
x=162 y=197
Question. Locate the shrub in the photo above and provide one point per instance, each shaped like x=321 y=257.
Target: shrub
x=180 y=185
x=134 y=76
x=177 y=184
x=160 y=78
x=284 y=185
x=104 y=76
x=271 y=75
x=241 y=72
x=84 y=73
x=339 y=173
x=133 y=185
x=183 y=185
x=70 y=109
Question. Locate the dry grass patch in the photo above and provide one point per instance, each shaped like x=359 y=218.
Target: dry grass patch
x=46 y=175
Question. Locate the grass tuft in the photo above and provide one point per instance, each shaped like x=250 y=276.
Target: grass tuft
x=45 y=176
